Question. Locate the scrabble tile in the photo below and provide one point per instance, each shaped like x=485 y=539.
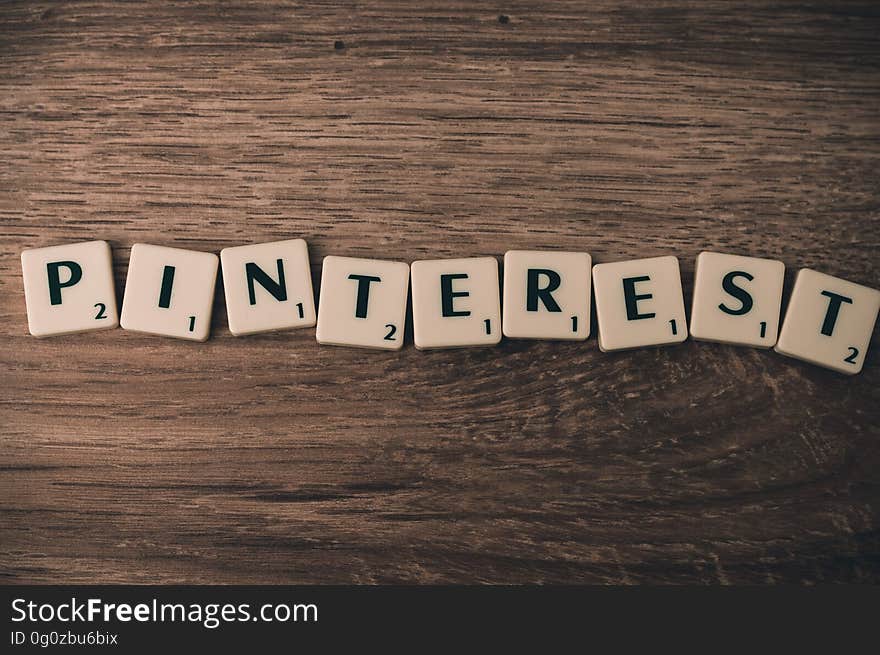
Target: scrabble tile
x=362 y=303
x=169 y=292
x=639 y=303
x=737 y=299
x=268 y=287
x=829 y=322
x=69 y=288
x=546 y=295
x=456 y=303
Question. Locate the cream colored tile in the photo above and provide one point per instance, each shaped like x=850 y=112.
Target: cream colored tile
x=69 y=288
x=362 y=303
x=737 y=299
x=639 y=303
x=829 y=322
x=456 y=303
x=169 y=292
x=268 y=287
x=546 y=295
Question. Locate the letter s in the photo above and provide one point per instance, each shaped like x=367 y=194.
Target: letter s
x=745 y=298
x=15 y=606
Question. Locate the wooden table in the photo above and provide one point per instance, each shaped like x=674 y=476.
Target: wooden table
x=405 y=130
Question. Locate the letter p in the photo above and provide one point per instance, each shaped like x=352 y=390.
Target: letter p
x=54 y=276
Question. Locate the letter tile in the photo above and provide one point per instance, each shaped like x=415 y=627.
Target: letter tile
x=546 y=295
x=268 y=287
x=69 y=288
x=737 y=299
x=169 y=292
x=456 y=303
x=639 y=303
x=829 y=322
x=362 y=303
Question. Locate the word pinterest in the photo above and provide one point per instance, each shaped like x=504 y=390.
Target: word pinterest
x=455 y=302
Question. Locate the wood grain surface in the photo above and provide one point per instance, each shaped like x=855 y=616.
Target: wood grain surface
x=408 y=130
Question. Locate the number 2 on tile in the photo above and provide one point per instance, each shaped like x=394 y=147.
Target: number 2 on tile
x=392 y=330
x=102 y=309
x=853 y=353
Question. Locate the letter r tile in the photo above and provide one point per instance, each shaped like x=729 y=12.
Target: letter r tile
x=546 y=295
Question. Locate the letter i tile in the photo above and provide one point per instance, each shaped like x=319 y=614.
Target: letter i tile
x=169 y=292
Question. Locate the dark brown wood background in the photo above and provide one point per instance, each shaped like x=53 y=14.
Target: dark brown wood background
x=434 y=130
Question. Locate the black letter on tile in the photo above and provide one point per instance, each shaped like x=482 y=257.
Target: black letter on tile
x=833 y=311
x=55 y=283
x=277 y=289
x=167 y=285
x=737 y=292
x=447 y=295
x=632 y=300
x=545 y=294
x=363 y=297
